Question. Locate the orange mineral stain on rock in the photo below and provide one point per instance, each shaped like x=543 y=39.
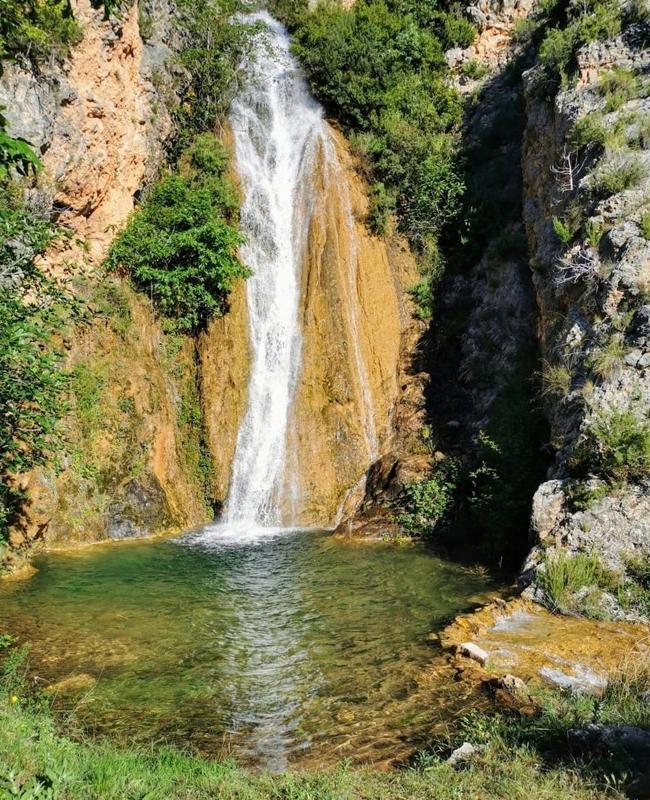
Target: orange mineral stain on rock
x=524 y=639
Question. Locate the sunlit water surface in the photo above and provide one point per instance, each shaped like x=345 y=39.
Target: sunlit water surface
x=288 y=649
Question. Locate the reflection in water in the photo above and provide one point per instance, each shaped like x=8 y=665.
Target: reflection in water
x=281 y=649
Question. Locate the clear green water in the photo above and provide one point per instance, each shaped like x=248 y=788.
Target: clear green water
x=295 y=649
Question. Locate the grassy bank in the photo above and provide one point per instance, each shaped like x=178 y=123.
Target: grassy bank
x=517 y=757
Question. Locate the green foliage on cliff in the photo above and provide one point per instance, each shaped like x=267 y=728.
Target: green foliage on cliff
x=426 y=502
x=576 y=23
x=33 y=310
x=180 y=246
x=37 y=28
x=215 y=44
x=16 y=155
x=616 y=445
x=379 y=68
x=575 y=584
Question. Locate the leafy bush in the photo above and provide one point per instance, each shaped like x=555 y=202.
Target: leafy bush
x=381 y=204
x=617 y=86
x=457 y=31
x=32 y=378
x=15 y=153
x=37 y=28
x=216 y=42
x=474 y=70
x=585 y=22
x=644 y=225
x=180 y=246
x=426 y=502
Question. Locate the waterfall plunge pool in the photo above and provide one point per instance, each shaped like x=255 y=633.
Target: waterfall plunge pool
x=289 y=650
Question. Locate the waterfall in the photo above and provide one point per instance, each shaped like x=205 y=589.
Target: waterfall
x=277 y=126
x=279 y=132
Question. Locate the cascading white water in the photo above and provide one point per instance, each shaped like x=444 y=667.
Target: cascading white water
x=277 y=127
x=279 y=133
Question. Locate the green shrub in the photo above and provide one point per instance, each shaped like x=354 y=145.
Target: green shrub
x=15 y=154
x=564 y=576
x=474 y=69
x=37 y=28
x=215 y=44
x=87 y=385
x=593 y=234
x=558 y=48
x=33 y=382
x=180 y=246
x=616 y=175
x=564 y=231
x=586 y=22
x=379 y=67
x=644 y=225
x=426 y=502
x=588 y=131
x=617 y=445
x=381 y=204
x=457 y=31
x=609 y=358
x=617 y=86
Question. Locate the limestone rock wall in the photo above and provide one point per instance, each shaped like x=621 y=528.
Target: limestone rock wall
x=593 y=301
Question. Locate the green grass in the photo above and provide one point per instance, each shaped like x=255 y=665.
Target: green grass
x=574 y=584
x=606 y=360
x=511 y=764
x=474 y=70
x=556 y=380
x=564 y=576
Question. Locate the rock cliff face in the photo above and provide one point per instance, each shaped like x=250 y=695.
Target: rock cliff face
x=101 y=121
x=356 y=322
x=593 y=299
x=569 y=304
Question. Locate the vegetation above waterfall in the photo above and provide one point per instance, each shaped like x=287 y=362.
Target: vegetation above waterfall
x=180 y=245
x=380 y=69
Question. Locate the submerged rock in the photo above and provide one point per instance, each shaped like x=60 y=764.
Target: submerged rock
x=473 y=651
